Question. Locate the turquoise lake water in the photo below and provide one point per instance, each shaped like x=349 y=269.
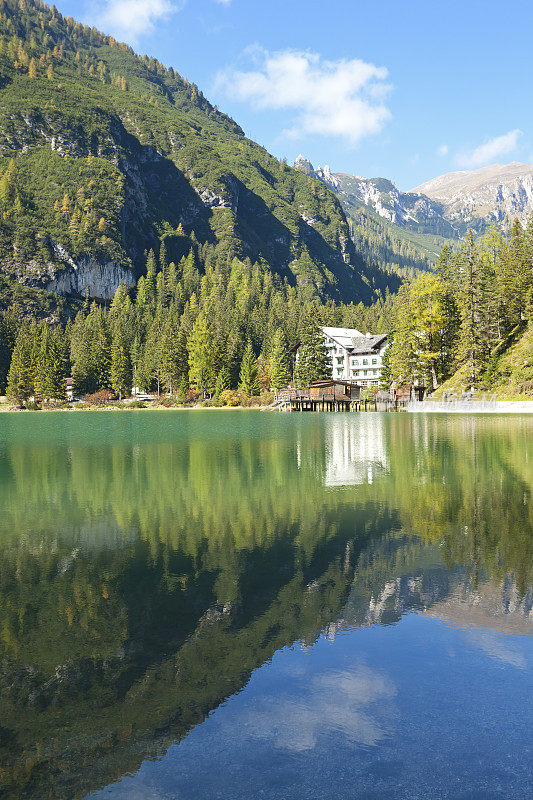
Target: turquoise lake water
x=219 y=605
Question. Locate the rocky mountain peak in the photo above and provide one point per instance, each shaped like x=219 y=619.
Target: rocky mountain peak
x=446 y=205
x=495 y=194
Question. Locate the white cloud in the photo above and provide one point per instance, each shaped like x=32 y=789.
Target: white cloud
x=130 y=19
x=498 y=647
x=223 y=2
x=490 y=150
x=357 y=703
x=443 y=150
x=343 y=98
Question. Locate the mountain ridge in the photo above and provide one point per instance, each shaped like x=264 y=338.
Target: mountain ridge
x=104 y=154
x=447 y=205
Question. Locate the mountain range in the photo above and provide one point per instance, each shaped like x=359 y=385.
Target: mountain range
x=105 y=154
x=441 y=209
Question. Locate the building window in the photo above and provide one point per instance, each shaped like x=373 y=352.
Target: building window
x=365 y=361
x=374 y=361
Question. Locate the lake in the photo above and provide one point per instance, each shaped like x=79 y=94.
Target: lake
x=205 y=605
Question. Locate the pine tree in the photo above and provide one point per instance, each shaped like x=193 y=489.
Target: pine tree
x=98 y=324
x=473 y=350
x=163 y=258
x=5 y=352
x=121 y=307
x=234 y=352
x=493 y=252
x=520 y=274
x=280 y=361
x=426 y=308
x=223 y=382
x=402 y=357
x=203 y=357
x=385 y=380
x=248 y=378
x=171 y=356
x=450 y=310
x=191 y=275
x=171 y=284
x=160 y=290
x=32 y=69
x=20 y=384
x=90 y=351
x=121 y=373
x=149 y=285
x=150 y=367
x=80 y=355
x=313 y=362
x=49 y=375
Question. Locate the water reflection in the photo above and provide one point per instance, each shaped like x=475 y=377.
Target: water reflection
x=357 y=703
x=147 y=569
x=355 y=454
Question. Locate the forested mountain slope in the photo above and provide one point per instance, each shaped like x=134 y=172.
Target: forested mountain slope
x=104 y=154
x=396 y=231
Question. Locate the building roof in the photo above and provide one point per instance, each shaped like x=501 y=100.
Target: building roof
x=354 y=341
x=329 y=382
x=367 y=344
x=342 y=336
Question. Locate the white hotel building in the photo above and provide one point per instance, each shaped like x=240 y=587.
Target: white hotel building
x=355 y=357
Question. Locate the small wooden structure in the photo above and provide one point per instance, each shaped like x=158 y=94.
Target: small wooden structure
x=325 y=395
x=408 y=392
x=330 y=389
x=69 y=389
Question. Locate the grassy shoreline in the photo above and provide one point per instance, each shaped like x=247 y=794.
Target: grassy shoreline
x=5 y=408
x=510 y=407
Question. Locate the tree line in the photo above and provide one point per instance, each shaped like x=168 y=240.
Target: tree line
x=208 y=323
x=458 y=319
x=214 y=323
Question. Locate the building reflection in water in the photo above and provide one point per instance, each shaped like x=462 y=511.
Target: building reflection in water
x=356 y=452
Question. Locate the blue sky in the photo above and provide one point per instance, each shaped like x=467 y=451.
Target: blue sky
x=400 y=90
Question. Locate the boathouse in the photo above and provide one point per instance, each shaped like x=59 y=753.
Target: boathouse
x=331 y=389
x=325 y=395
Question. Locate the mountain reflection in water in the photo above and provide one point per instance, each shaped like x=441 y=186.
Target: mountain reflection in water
x=150 y=562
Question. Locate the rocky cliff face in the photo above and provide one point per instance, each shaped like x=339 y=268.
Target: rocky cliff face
x=496 y=194
x=446 y=206
x=408 y=210
x=88 y=278
x=117 y=152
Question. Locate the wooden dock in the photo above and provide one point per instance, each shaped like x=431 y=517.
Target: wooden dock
x=300 y=401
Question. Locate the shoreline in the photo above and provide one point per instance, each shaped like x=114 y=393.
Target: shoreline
x=4 y=409
x=472 y=407
x=504 y=407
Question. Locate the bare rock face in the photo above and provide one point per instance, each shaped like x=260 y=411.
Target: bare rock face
x=88 y=277
x=494 y=194
x=447 y=205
